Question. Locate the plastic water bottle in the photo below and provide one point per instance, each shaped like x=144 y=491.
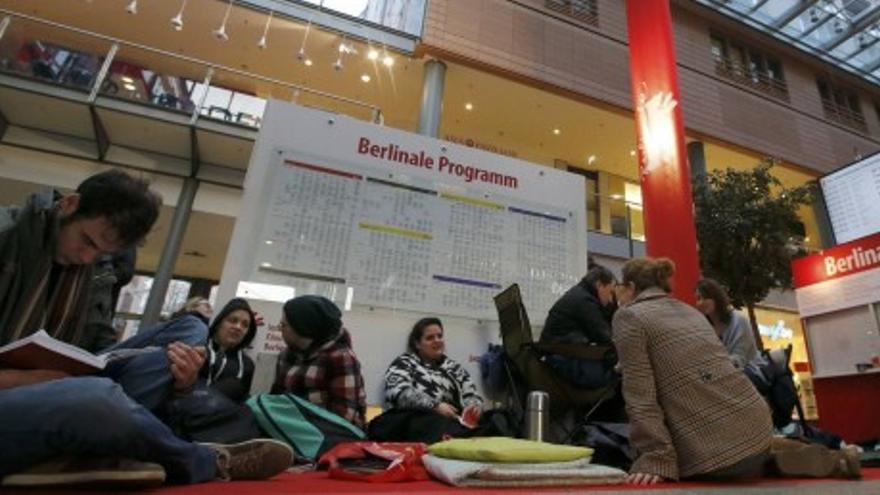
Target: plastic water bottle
x=537 y=415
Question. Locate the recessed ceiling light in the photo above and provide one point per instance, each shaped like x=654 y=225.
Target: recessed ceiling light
x=617 y=196
x=591 y=159
x=365 y=78
x=308 y=62
x=130 y=87
x=557 y=131
x=388 y=61
x=265 y=264
x=632 y=152
x=269 y=241
x=373 y=54
x=126 y=79
x=468 y=106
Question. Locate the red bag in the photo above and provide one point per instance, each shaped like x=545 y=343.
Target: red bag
x=401 y=461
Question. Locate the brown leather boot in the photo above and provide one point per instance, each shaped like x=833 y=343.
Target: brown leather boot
x=811 y=460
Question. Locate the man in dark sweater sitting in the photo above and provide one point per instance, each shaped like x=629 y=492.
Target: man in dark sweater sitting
x=47 y=249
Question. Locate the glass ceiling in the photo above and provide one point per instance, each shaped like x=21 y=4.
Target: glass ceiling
x=842 y=32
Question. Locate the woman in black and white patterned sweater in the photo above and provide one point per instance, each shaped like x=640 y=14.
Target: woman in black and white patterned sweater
x=423 y=386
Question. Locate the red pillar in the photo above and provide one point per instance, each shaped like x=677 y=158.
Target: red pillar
x=665 y=177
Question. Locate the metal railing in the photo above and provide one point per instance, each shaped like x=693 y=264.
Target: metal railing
x=844 y=115
x=68 y=57
x=756 y=79
x=614 y=215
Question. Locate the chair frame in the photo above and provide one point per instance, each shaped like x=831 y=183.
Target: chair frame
x=521 y=352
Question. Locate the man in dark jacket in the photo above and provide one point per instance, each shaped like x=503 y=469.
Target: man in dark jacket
x=582 y=316
x=47 y=249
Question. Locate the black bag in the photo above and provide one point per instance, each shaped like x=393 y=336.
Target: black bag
x=610 y=443
x=426 y=426
x=206 y=415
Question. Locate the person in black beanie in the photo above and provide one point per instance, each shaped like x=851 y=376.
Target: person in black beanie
x=319 y=364
x=227 y=368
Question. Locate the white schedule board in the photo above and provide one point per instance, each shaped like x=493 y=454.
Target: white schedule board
x=852 y=197
x=384 y=218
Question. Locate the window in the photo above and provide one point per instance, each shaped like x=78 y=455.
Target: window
x=591 y=180
x=748 y=66
x=841 y=105
x=583 y=10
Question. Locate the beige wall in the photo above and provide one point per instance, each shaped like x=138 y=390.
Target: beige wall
x=522 y=39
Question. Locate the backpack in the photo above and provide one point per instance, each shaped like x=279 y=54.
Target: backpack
x=309 y=429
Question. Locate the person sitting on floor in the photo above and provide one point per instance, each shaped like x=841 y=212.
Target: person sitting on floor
x=731 y=326
x=426 y=391
x=319 y=364
x=197 y=306
x=692 y=413
x=95 y=422
x=582 y=316
x=228 y=369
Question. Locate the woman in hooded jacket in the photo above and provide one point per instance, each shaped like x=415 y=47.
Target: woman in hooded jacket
x=227 y=368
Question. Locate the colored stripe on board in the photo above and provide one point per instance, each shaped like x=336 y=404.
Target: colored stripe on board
x=472 y=201
x=465 y=281
x=387 y=229
x=536 y=214
x=325 y=170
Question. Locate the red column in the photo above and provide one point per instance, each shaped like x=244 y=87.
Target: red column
x=665 y=177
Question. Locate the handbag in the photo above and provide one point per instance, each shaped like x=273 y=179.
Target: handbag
x=375 y=462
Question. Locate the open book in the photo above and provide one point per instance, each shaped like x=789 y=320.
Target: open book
x=41 y=351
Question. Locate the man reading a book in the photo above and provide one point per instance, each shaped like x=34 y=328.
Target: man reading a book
x=47 y=249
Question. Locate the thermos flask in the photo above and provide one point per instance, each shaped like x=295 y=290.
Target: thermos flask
x=537 y=415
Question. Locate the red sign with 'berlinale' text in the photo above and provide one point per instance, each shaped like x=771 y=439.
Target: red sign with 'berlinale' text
x=840 y=261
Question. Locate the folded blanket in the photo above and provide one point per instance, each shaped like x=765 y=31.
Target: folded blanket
x=490 y=474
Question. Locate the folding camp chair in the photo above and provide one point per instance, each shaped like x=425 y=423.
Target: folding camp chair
x=527 y=371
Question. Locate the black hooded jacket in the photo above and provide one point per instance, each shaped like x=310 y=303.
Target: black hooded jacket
x=230 y=371
x=578 y=317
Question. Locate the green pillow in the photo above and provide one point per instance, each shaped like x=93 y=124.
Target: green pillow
x=504 y=449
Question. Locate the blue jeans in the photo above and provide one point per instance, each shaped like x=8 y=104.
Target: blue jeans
x=146 y=378
x=581 y=372
x=92 y=416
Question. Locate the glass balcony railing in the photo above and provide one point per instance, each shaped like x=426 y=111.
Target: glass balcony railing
x=614 y=215
x=99 y=65
x=68 y=58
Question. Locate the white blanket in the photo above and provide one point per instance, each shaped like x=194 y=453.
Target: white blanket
x=496 y=474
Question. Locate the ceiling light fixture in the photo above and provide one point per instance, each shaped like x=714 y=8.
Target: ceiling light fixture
x=557 y=131
x=388 y=61
x=343 y=49
x=632 y=152
x=308 y=62
x=126 y=79
x=373 y=54
x=132 y=8
x=129 y=86
x=220 y=33
x=301 y=54
x=177 y=21
x=365 y=78
x=468 y=106
x=264 y=41
x=591 y=159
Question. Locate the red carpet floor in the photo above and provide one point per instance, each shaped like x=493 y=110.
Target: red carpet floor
x=318 y=483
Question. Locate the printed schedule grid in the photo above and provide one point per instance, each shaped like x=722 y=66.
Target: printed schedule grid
x=409 y=244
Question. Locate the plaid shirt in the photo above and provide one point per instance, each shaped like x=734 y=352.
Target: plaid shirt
x=329 y=376
x=691 y=412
